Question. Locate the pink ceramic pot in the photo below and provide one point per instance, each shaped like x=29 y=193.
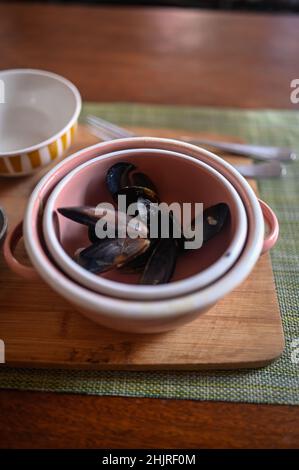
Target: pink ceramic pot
x=189 y=180
x=139 y=316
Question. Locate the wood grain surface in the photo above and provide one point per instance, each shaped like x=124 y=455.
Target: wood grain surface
x=151 y=55
x=75 y=421
x=242 y=330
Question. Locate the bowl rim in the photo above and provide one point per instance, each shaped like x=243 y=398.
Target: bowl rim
x=123 y=290
x=72 y=120
x=104 y=308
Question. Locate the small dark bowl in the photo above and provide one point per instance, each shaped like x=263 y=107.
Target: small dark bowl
x=3 y=226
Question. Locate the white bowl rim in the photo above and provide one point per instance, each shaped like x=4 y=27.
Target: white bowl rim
x=72 y=121
x=133 y=310
x=136 y=291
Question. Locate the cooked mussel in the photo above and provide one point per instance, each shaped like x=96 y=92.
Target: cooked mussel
x=85 y=215
x=117 y=177
x=213 y=219
x=161 y=264
x=137 y=264
x=111 y=253
x=151 y=214
x=121 y=179
x=142 y=180
x=112 y=220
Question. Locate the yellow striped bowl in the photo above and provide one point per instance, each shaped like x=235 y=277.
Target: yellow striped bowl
x=39 y=112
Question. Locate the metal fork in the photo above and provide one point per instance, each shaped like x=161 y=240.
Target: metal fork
x=257 y=152
x=108 y=131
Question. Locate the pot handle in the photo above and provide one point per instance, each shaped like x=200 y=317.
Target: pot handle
x=11 y=241
x=272 y=222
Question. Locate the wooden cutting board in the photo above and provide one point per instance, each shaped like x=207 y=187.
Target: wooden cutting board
x=42 y=330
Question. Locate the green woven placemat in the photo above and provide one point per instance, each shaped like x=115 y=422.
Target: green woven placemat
x=277 y=383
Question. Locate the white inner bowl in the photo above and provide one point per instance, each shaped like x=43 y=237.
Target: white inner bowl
x=38 y=107
x=195 y=269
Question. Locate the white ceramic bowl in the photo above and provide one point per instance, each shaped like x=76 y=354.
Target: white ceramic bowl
x=38 y=118
x=179 y=179
x=137 y=316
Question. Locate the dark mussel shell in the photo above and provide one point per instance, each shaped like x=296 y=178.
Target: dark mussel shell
x=117 y=177
x=85 y=215
x=90 y=264
x=161 y=264
x=134 y=193
x=122 y=179
x=111 y=253
x=137 y=264
x=148 y=210
x=89 y=216
x=214 y=218
x=142 y=180
x=92 y=236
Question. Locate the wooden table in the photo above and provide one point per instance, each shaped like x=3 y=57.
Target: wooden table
x=170 y=56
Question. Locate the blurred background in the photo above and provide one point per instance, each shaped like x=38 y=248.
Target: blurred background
x=288 y=6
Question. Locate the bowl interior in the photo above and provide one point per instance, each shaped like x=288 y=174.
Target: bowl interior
x=37 y=106
x=177 y=180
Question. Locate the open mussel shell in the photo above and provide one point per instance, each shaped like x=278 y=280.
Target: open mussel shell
x=214 y=219
x=108 y=221
x=154 y=215
x=111 y=253
x=85 y=215
x=92 y=236
x=90 y=264
x=137 y=264
x=161 y=264
x=122 y=179
x=134 y=193
x=148 y=211
x=142 y=180
x=117 y=177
